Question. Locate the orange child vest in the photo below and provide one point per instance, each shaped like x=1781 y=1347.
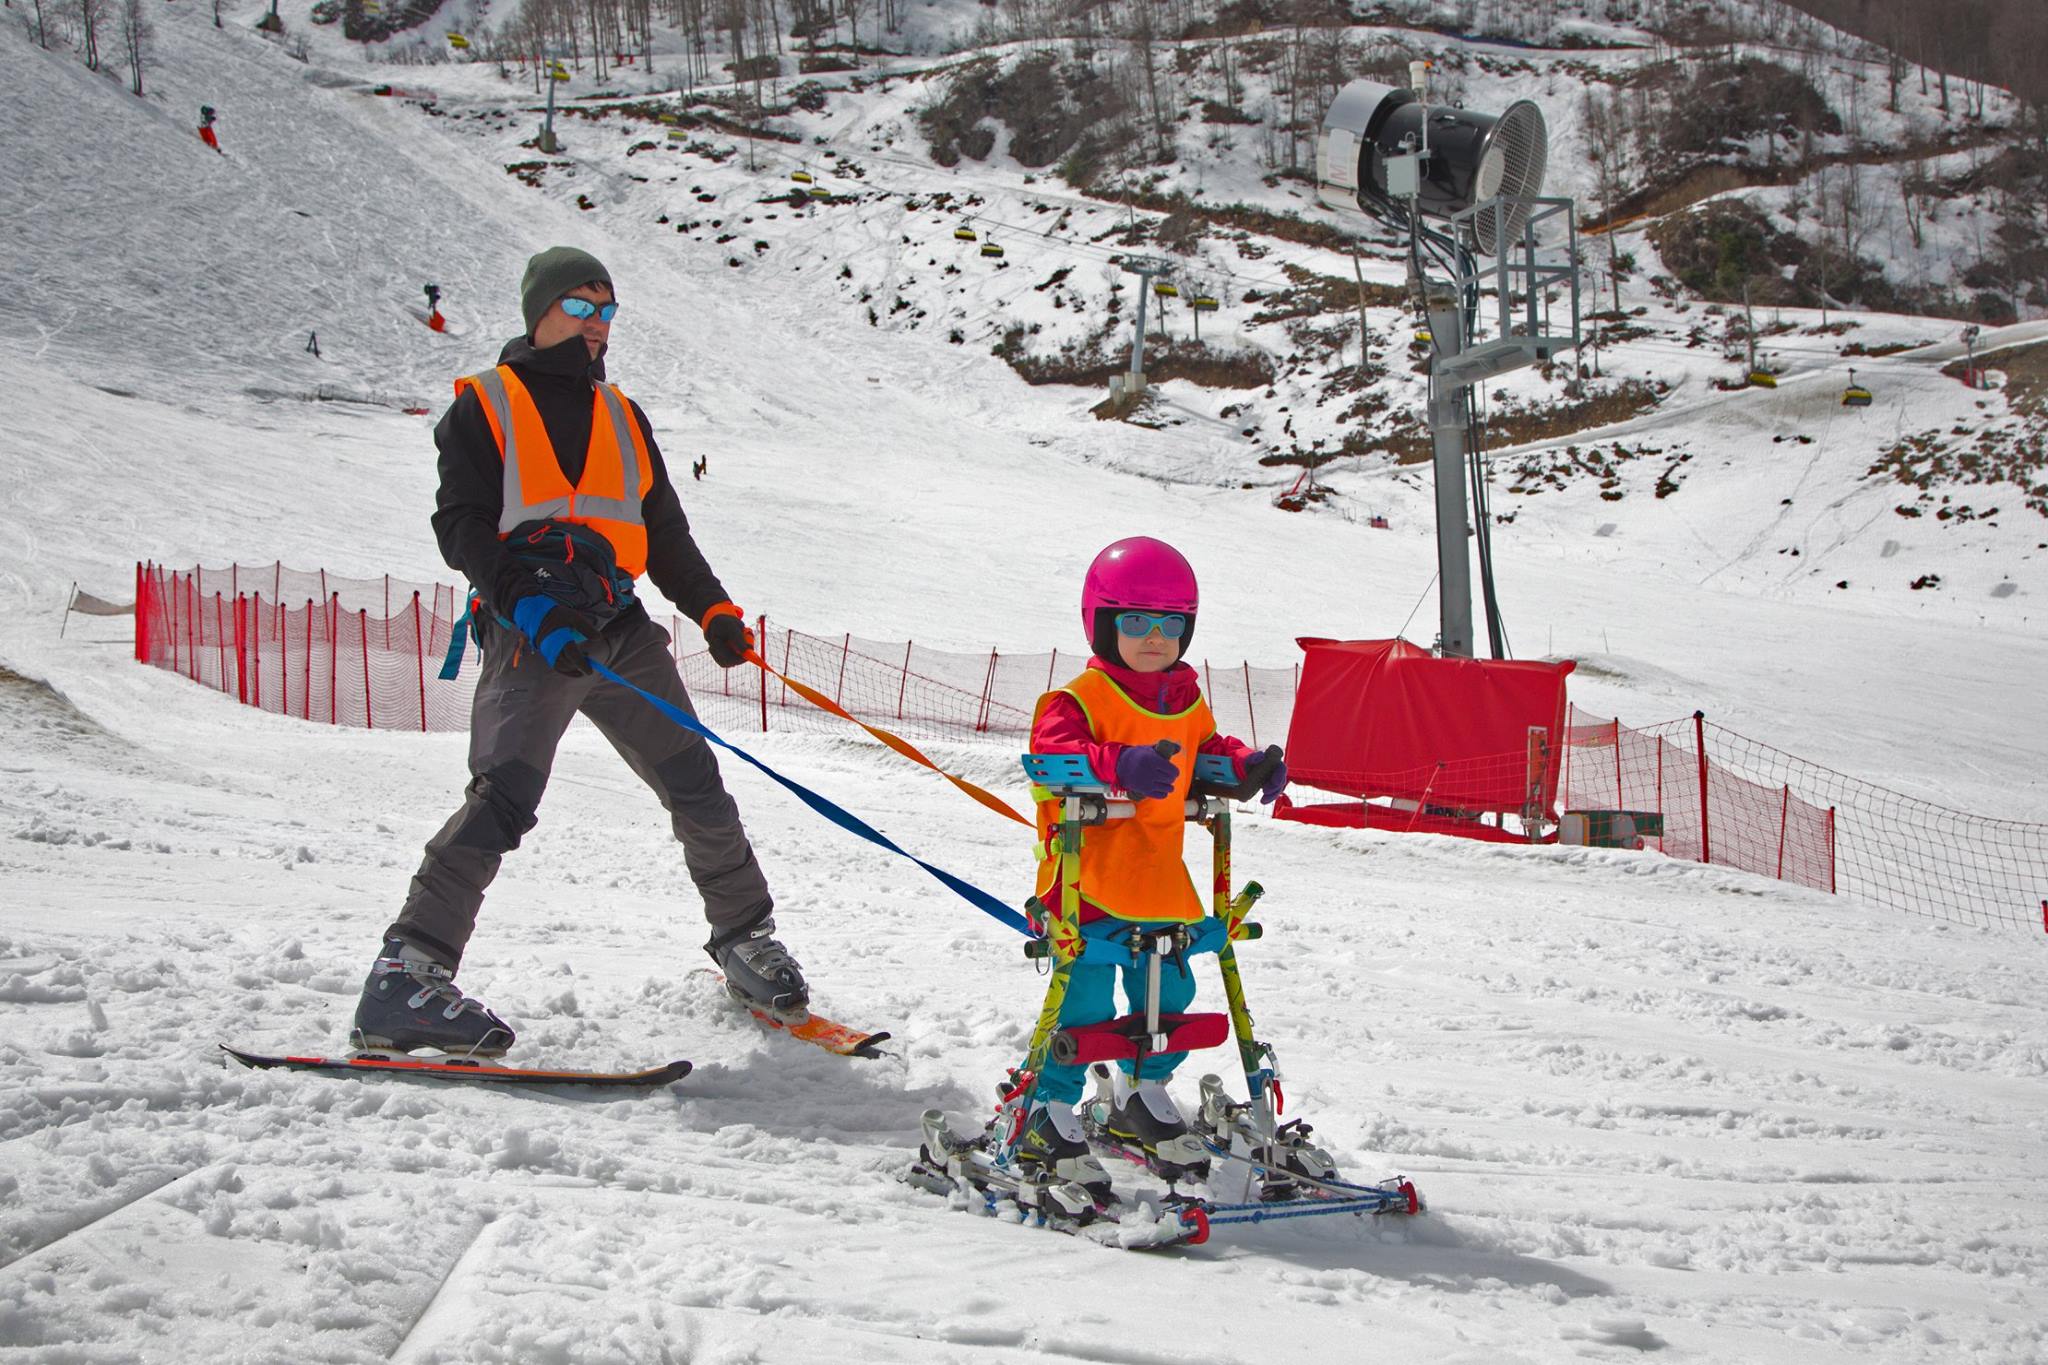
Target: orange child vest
x=1131 y=869
x=617 y=470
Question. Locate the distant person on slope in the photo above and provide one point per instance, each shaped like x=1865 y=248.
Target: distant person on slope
x=206 y=133
x=1138 y=607
x=554 y=500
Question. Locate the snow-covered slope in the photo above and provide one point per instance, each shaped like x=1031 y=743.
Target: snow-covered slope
x=1654 y=1106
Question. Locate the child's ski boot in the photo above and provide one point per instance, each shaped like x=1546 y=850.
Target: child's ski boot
x=1285 y=1161
x=1053 y=1147
x=1143 y=1121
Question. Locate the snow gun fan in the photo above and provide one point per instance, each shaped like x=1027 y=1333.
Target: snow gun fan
x=1386 y=154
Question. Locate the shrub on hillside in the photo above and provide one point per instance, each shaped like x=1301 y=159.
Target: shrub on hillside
x=1720 y=106
x=1056 y=113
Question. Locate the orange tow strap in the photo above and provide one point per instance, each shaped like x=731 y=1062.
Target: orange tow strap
x=900 y=745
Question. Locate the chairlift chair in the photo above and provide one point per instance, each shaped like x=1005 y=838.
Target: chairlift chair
x=1855 y=396
x=820 y=192
x=964 y=233
x=456 y=40
x=558 y=72
x=1763 y=379
x=1166 y=289
x=801 y=177
x=991 y=250
x=678 y=135
x=1202 y=303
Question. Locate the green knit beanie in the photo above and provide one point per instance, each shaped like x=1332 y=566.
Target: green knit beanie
x=553 y=273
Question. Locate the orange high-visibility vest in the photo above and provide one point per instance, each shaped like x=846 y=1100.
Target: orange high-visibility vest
x=617 y=470
x=1131 y=869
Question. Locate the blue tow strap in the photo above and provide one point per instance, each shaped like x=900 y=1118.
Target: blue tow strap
x=831 y=810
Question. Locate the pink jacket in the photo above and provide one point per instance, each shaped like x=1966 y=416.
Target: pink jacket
x=1063 y=729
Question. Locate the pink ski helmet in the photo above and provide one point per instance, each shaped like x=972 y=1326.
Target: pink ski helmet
x=1136 y=573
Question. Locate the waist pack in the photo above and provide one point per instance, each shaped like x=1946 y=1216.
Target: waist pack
x=573 y=564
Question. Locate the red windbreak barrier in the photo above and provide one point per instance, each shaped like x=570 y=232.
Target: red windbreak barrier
x=1384 y=718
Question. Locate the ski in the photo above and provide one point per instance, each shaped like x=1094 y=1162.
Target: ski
x=449 y=1069
x=963 y=1170
x=838 y=1039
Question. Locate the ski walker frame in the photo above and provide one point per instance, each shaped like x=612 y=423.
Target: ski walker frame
x=1274 y=1165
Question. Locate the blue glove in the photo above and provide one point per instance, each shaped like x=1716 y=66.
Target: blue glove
x=558 y=632
x=1145 y=772
x=1276 y=782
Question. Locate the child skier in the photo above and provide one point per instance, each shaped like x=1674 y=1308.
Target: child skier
x=1138 y=609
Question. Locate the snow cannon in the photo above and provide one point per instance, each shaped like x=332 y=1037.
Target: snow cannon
x=1385 y=154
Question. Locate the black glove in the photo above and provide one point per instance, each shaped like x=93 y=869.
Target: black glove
x=727 y=634
x=558 y=632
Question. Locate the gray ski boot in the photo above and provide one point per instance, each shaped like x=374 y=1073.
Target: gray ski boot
x=759 y=971
x=411 y=1001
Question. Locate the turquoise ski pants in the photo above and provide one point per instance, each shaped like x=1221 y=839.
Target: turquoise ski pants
x=1091 y=999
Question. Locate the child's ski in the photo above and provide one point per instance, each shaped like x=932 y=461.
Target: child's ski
x=449 y=1069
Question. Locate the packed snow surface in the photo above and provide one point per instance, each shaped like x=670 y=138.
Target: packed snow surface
x=1654 y=1107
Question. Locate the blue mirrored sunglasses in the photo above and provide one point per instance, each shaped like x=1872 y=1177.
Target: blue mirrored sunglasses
x=583 y=308
x=1139 y=624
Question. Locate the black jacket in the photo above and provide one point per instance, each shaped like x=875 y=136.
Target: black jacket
x=472 y=493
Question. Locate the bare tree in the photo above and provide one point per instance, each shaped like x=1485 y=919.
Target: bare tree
x=42 y=27
x=92 y=16
x=135 y=31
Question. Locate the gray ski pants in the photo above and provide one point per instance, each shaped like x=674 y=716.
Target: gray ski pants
x=521 y=709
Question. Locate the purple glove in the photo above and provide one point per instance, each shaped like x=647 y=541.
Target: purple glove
x=1276 y=782
x=1145 y=772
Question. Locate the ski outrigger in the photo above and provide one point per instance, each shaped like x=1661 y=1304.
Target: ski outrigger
x=1254 y=1168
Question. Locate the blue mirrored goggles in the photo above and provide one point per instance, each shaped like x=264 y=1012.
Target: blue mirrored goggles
x=1139 y=624
x=583 y=308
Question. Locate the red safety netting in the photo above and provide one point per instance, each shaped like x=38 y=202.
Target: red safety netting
x=368 y=652
x=1729 y=800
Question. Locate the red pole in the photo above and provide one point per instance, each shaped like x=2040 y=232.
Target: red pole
x=1699 y=739
x=192 y=625
x=332 y=613
x=1784 y=810
x=903 y=686
x=220 y=637
x=1249 y=709
x=141 y=613
x=241 y=650
x=284 y=660
x=306 y=662
x=387 y=613
x=763 y=634
x=255 y=616
x=363 y=624
x=419 y=645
